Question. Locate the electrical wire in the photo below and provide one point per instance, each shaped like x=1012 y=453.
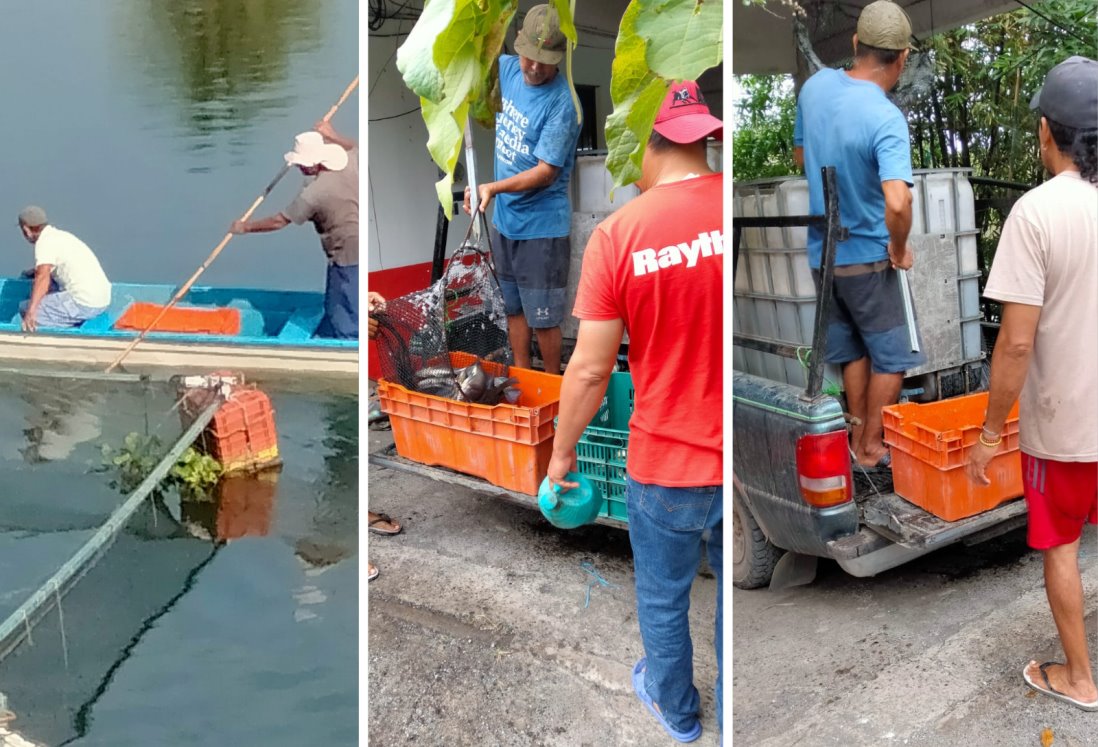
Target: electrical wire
x=395 y=116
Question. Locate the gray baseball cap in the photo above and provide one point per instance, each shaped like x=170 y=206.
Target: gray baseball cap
x=885 y=25
x=1070 y=94
x=32 y=216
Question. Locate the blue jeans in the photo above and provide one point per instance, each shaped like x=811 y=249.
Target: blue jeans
x=59 y=309
x=340 y=304
x=666 y=527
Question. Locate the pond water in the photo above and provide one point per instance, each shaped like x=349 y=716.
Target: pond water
x=146 y=127
x=225 y=622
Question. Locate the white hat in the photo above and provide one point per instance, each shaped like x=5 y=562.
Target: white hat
x=311 y=150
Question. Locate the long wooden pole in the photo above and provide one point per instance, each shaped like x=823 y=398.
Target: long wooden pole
x=228 y=237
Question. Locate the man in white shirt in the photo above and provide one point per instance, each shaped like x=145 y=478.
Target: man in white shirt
x=69 y=284
x=1045 y=274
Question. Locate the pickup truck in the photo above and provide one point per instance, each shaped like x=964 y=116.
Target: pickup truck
x=797 y=496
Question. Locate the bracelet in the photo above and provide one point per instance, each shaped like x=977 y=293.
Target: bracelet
x=985 y=442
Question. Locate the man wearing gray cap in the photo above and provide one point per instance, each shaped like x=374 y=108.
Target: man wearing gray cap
x=845 y=120
x=1045 y=274
x=69 y=285
x=536 y=135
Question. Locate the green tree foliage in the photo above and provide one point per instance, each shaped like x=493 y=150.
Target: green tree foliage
x=762 y=145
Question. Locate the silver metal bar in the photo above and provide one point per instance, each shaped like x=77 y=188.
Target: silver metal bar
x=909 y=310
x=471 y=177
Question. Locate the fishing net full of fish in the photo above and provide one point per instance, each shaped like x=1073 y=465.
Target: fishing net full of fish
x=450 y=339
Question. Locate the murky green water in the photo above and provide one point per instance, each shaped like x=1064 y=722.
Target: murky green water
x=232 y=622
x=146 y=127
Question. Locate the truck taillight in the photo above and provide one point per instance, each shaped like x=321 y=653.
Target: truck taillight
x=823 y=469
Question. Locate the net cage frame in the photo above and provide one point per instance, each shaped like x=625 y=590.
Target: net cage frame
x=16 y=629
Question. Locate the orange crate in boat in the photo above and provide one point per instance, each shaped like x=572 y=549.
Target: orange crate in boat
x=181 y=319
x=930 y=444
x=507 y=445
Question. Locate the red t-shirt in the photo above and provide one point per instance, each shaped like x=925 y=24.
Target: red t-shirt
x=657 y=265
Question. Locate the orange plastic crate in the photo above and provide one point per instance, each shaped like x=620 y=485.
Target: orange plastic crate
x=930 y=444
x=181 y=319
x=507 y=445
x=242 y=434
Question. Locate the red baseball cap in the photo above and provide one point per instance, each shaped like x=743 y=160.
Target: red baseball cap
x=684 y=116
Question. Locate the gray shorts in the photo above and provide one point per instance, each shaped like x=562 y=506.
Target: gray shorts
x=867 y=319
x=533 y=275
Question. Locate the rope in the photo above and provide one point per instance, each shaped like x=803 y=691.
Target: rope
x=17 y=626
x=804 y=353
x=589 y=568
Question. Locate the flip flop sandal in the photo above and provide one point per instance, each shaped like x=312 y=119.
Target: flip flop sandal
x=387 y=520
x=373 y=574
x=638 y=687
x=1052 y=692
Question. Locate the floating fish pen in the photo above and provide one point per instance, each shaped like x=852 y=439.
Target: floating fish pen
x=80 y=573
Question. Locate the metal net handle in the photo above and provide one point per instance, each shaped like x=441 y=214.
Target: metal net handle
x=471 y=247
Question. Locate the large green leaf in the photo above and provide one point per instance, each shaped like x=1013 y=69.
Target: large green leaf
x=684 y=36
x=659 y=41
x=449 y=61
x=415 y=58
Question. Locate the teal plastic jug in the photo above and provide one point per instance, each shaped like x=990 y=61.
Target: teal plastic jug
x=572 y=509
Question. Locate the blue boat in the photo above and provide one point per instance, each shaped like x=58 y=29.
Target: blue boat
x=276 y=334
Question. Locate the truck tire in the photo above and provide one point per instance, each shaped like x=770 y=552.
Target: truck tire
x=753 y=556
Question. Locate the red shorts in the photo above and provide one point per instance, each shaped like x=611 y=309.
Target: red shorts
x=1061 y=497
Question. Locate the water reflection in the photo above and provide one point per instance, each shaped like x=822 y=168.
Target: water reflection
x=229 y=59
x=57 y=422
x=334 y=532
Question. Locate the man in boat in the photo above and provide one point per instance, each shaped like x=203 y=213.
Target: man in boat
x=670 y=300
x=330 y=201
x=845 y=120
x=1045 y=274
x=69 y=286
x=536 y=135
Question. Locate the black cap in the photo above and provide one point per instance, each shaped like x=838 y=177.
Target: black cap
x=1070 y=94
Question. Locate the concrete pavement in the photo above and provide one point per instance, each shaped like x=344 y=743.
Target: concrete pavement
x=478 y=634
x=928 y=654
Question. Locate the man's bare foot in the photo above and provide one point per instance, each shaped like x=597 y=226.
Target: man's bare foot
x=383 y=524
x=1082 y=690
x=871 y=457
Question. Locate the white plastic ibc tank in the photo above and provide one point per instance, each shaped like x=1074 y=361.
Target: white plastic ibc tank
x=793 y=200
x=781 y=274
x=760 y=269
x=967 y=259
x=772 y=208
x=943 y=212
x=593 y=184
x=752 y=237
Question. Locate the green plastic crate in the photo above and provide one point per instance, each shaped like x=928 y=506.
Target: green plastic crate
x=601 y=451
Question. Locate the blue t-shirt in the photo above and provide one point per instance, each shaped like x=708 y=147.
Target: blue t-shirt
x=538 y=123
x=850 y=124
